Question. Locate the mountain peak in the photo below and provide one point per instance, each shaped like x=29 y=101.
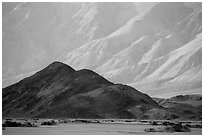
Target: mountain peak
x=57 y=64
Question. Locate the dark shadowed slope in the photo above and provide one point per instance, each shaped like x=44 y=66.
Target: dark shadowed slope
x=186 y=106
x=59 y=91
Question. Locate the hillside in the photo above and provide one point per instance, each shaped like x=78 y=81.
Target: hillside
x=59 y=91
x=154 y=57
x=36 y=34
x=187 y=106
x=153 y=47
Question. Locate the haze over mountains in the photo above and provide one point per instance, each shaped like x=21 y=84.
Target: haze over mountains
x=154 y=47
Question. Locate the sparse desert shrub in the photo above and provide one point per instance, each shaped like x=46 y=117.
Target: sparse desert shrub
x=93 y=121
x=181 y=128
x=11 y=124
x=177 y=129
x=17 y=124
x=168 y=129
x=150 y=130
x=194 y=126
x=28 y=124
x=165 y=123
x=154 y=123
x=64 y=121
x=188 y=125
x=144 y=121
x=128 y=121
x=173 y=128
x=49 y=123
x=85 y=121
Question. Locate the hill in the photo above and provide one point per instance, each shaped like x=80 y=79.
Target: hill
x=59 y=91
x=186 y=106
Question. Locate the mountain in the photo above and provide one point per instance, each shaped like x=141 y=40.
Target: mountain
x=28 y=30
x=35 y=34
x=157 y=51
x=179 y=72
x=154 y=47
x=59 y=91
x=189 y=106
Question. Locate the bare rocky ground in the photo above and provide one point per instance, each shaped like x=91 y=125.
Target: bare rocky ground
x=97 y=127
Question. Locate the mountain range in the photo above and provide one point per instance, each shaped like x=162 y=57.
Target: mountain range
x=59 y=91
x=153 y=47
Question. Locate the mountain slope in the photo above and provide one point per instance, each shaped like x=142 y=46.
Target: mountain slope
x=64 y=92
x=179 y=72
x=189 y=106
x=154 y=47
x=59 y=91
x=160 y=54
x=35 y=34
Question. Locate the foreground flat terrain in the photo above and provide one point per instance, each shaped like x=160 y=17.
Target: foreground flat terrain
x=90 y=128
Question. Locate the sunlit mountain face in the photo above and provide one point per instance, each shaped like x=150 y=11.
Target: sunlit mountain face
x=154 y=47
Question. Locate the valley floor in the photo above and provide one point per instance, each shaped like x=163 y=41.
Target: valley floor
x=91 y=128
